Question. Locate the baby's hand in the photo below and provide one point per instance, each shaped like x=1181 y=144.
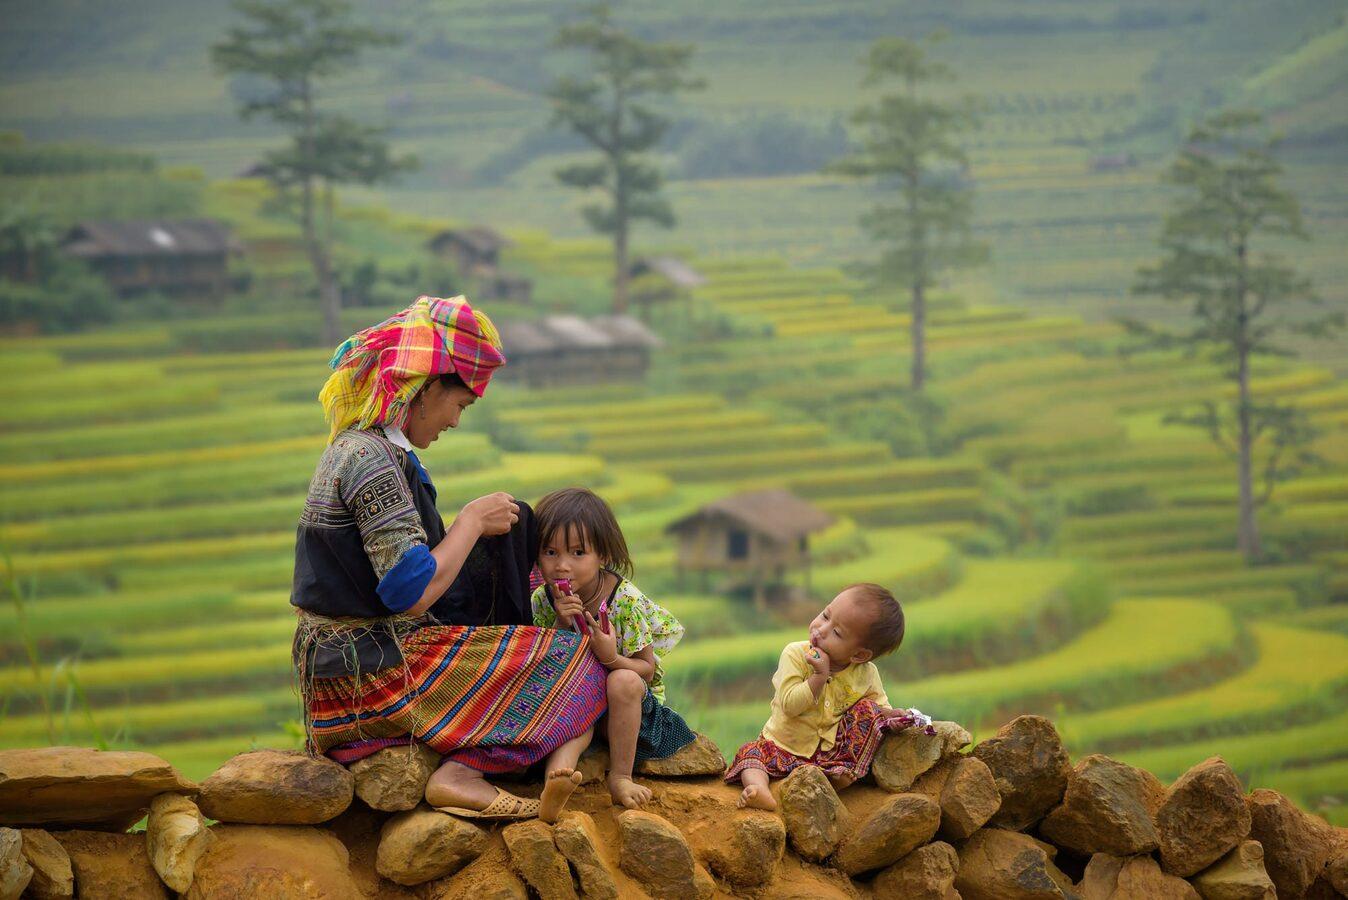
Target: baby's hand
x=817 y=660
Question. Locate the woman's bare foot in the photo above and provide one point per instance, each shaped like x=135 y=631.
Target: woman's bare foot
x=758 y=797
x=628 y=793
x=842 y=780
x=559 y=787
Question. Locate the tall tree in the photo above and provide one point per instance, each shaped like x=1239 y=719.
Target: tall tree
x=1216 y=260
x=910 y=150
x=607 y=109
x=295 y=46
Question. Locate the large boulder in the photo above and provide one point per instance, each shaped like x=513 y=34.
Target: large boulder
x=655 y=853
x=928 y=873
x=701 y=757
x=1031 y=767
x=1239 y=875
x=359 y=830
x=996 y=864
x=489 y=877
x=904 y=755
x=896 y=828
x=73 y=787
x=1203 y=817
x=1109 y=807
x=1337 y=870
x=968 y=798
x=15 y=872
x=593 y=764
x=814 y=816
x=745 y=850
x=53 y=878
x=176 y=836
x=279 y=862
x=1131 y=878
x=1296 y=845
x=277 y=787
x=534 y=855
x=111 y=865
x=394 y=779
x=579 y=842
x=422 y=844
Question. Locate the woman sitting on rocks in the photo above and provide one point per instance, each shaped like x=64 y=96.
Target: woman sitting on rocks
x=409 y=630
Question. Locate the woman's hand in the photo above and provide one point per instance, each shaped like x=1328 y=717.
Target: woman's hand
x=568 y=608
x=494 y=513
x=602 y=641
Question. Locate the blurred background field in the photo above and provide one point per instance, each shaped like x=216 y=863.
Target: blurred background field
x=1060 y=549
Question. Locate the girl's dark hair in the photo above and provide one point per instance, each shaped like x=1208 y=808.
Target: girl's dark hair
x=579 y=513
x=452 y=380
x=886 y=632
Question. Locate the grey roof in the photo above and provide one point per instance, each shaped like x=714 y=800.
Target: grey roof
x=561 y=333
x=676 y=270
x=777 y=513
x=627 y=331
x=522 y=338
x=481 y=239
x=148 y=237
x=576 y=333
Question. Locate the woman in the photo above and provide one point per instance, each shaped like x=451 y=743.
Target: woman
x=411 y=630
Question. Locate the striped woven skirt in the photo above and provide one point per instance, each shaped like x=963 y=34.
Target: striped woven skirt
x=859 y=733
x=497 y=698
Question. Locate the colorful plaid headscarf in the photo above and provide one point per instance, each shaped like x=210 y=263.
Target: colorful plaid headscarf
x=378 y=371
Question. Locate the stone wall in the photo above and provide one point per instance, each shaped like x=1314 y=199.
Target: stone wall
x=1010 y=818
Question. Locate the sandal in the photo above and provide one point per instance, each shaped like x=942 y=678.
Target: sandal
x=503 y=806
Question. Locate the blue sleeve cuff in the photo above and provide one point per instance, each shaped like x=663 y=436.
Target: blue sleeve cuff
x=402 y=586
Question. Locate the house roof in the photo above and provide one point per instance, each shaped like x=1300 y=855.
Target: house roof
x=560 y=333
x=777 y=513
x=480 y=239
x=148 y=237
x=676 y=270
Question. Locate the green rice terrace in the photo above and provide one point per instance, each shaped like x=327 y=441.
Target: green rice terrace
x=1070 y=555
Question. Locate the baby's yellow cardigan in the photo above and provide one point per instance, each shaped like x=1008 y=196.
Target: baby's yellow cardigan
x=800 y=723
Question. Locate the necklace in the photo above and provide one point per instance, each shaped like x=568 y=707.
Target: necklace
x=590 y=601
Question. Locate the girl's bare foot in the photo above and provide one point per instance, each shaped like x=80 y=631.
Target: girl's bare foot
x=841 y=781
x=628 y=793
x=559 y=787
x=758 y=797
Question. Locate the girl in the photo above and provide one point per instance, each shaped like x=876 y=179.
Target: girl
x=829 y=707
x=585 y=565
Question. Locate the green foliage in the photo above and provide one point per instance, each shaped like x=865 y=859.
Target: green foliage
x=20 y=158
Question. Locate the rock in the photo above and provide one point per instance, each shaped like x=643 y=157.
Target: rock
x=655 y=853
x=394 y=779
x=1030 y=766
x=968 y=798
x=905 y=755
x=1239 y=875
x=277 y=787
x=15 y=872
x=358 y=829
x=1108 y=808
x=701 y=757
x=931 y=782
x=488 y=877
x=996 y=864
x=745 y=850
x=1296 y=845
x=593 y=764
x=111 y=865
x=176 y=835
x=279 y=862
x=1204 y=816
x=1337 y=871
x=928 y=873
x=579 y=842
x=896 y=828
x=52 y=876
x=71 y=787
x=1134 y=878
x=814 y=816
x=423 y=844
x=535 y=856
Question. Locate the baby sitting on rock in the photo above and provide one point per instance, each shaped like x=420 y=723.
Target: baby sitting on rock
x=828 y=706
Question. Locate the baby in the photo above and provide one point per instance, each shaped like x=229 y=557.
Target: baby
x=829 y=708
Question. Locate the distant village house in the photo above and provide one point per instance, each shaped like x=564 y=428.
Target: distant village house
x=558 y=350
x=476 y=254
x=753 y=538
x=664 y=277
x=176 y=257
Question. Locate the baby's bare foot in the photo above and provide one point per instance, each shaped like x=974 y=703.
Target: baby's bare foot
x=628 y=793
x=757 y=797
x=559 y=787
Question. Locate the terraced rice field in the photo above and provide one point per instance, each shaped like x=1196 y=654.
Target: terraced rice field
x=151 y=536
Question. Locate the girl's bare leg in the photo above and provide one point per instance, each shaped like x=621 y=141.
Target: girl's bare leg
x=626 y=690
x=454 y=784
x=756 y=792
x=562 y=778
